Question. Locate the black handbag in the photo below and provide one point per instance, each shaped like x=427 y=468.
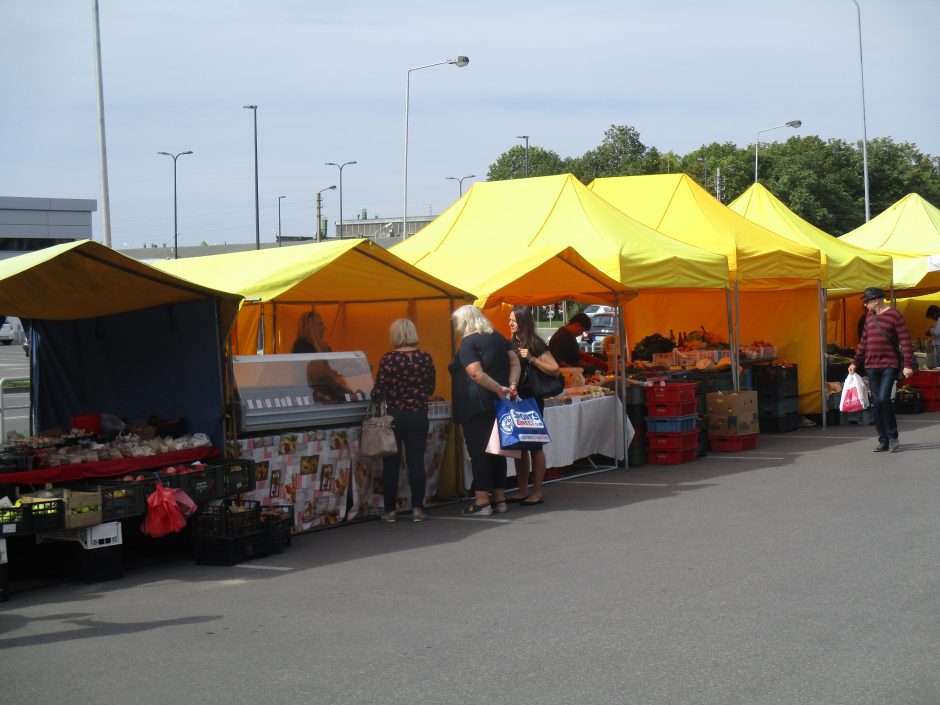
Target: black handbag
x=535 y=383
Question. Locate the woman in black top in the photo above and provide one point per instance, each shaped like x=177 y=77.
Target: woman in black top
x=533 y=353
x=310 y=330
x=483 y=371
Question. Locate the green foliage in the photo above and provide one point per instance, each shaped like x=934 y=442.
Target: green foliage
x=819 y=180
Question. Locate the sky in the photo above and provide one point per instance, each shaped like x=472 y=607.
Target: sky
x=329 y=81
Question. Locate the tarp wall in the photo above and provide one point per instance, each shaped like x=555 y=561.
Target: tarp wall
x=164 y=361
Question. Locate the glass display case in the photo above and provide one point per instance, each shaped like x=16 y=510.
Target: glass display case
x=301 y=391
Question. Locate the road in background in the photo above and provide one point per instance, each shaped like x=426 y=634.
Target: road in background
x=14 y=364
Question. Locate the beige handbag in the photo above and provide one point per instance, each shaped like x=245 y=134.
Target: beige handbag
x=378 y=434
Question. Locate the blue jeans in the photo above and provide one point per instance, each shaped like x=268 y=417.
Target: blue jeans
x=411 y=431
x=880 y=381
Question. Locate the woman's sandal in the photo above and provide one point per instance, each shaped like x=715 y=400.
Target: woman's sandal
x=516 y=499
x=483 y=510
x=532 y=503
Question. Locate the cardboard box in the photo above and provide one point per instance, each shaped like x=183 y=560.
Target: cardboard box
x=732 y=413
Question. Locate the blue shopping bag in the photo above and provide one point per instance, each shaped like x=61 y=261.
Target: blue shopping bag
x=521 y=426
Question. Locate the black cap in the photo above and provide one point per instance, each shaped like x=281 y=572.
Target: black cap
x=873 y=292
x=582 y=319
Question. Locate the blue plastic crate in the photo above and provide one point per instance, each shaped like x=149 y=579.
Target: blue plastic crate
x=670 y=424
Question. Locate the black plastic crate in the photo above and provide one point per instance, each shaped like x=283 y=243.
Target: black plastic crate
x=4 y=582
x=219 y=520
x=231 y=550
x=278 y=520
x=235 y=476
x=122 y=500
x=777 y=407
x=201 y=484
x=636 y=455
x=837 y=372
x=910 y=405
x=33 y=517
x=97 y=565
x=636 y=413
x=779 y=424
x=775 y=381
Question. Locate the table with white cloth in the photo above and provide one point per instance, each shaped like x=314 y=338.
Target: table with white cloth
x=579 y=430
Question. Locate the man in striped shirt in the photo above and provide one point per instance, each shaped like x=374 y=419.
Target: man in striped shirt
x=885 y=332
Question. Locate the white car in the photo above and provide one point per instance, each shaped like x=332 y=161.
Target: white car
x=6 y=333
x=594 y=309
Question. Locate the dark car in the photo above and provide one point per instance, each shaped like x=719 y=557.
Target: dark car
x=602 y=325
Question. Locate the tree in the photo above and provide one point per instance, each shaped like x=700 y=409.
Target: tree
x=620 y=154
x=511 y=164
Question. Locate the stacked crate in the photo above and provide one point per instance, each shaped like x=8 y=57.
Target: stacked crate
x=672 y=433
x=733 y=422
x=927 y=382
x=777 y=390
x=636 y=412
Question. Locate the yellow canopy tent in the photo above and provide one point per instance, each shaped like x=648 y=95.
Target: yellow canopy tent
x=781 y=278
x=911 y=226
x=847 y=270
x=108 y=333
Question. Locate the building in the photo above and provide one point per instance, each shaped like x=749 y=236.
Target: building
x=29 y=224
x=380 y=227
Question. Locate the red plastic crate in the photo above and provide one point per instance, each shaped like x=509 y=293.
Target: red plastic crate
x=670 y=393
x=680 y=408
x=732 y=444
x=673 y=441
x=931 y=404
x=924 y=379
x=671 y=457
x=928 y=392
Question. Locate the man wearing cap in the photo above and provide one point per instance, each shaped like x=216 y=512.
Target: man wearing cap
x=885 y=347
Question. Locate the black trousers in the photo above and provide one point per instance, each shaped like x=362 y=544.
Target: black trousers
x=489 y=471
x=411 y=432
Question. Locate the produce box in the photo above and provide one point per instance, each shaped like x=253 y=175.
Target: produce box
x=81 y=508
x=732 y=413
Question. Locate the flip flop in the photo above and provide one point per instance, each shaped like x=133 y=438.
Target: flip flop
x=527 y=503
x=517 y=500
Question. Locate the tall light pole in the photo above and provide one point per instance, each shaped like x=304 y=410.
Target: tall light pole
x=459 y=182
x=254 y=109
x=340 y=167
x=176 y=253
x=279 y=199
x=459 y=62
x=704 y=160
x=792 y=123
x=861 y=67
x=526 y=138
x=319 y=207
x=102 y=141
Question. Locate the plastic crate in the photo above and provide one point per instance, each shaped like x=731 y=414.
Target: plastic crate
x=837 y=372
x=219 y=520
x=32 y=517
x=775 y=380
x=911 y=405
x=675 y=424
x=670 y=392
x=925 y=379
x=278 y=520
x=636 y=413
x=99 y=566
x=673 y=441
x=777 y=407
x=931 y=404
x=81 y=509
x=732 y=444
x=682 y=408
x=121 y=500
x=634 y=393
x=708 y=382
x=779 y=424
x=665 y=359
x=233 y=476
x=865 y=417
x=636 y=455
x=671 y=457
x=231 y=550
x=928 y=392
x=201 y=484
x=438 y=409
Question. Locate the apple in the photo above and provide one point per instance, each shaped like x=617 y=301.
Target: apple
x=128 y=478
x=171 y=471
x=140 y=478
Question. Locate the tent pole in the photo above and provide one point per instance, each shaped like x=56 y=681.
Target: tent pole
x=823 y=360
x=735 y=381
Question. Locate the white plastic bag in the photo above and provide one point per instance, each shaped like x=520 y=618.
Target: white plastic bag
x=854 y=394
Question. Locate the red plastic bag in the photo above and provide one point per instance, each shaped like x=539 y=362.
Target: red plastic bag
x=163 y=513
x=185 y=503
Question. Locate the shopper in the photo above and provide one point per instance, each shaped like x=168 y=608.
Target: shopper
x=533 y=355
x=564 y=343
x=310 y=330
x=933 y=313
x=404 y=382
x=484 y=370
x=885 y=332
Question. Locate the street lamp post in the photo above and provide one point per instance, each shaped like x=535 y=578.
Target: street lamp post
x=340 y=167
x=175 y=228
x=319 y=206
x=279 y=199
x=861 y=67
x=459 y=182
x=704 y=161
x=459 y=62
x=254 y=109
x=526 y=138
x=792 y=123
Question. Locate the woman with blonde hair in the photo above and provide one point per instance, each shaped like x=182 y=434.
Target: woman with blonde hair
x=404 y=382
x=310 y=330
x=484 y=370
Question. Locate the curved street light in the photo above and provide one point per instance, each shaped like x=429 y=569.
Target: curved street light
x=340 y=167
x=459 y=62
x=175 y=228
x=792 y=123
x=254 y=109
x=279 y=199
x=319 y=206
x=526 y=138
x=460 y=182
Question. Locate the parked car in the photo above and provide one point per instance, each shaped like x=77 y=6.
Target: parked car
x=594 y=309
x=6 y=333
x=602 y=325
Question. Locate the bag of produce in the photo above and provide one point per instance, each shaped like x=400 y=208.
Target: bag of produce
x=163 y=513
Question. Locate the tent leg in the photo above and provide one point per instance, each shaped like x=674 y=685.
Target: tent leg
x=823 y=314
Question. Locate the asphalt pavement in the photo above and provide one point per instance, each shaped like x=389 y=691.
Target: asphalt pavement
x=802 y=572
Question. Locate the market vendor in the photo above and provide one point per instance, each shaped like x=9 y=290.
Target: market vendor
x=310 y=330
x=933 y=314
x=564 y=343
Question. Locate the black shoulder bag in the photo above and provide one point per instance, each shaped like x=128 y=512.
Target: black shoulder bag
x=896 y=346
x=535 y=383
